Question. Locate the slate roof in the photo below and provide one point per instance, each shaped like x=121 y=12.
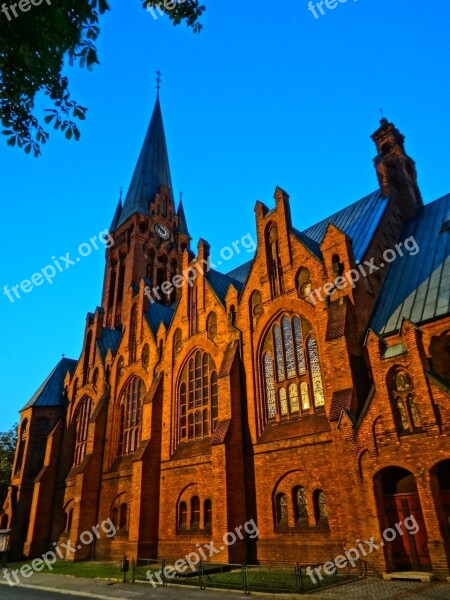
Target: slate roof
x=152 y=169
x=158 y=314
x=182 y=224
x=358 y=221
x=418 y=287
x=241 y=273
x=221 y=282
x=109 y=341
x=50 y=393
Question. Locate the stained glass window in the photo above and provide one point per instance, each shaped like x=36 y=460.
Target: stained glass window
x=130 y=416
x=291 y=368
x=316 y=375
x=283 y=403
x=305 y=395
x=282 y=509
x=301 y=509
x=293 y=398
x=198 y=388
x=301 y=364
x=270 y=386
x=279 y=352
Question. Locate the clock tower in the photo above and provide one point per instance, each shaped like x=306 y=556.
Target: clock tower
x=150 y=234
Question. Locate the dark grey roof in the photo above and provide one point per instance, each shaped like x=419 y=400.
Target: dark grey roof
x=358 y=221
x=221 y=282
x=152 y=169
x=311 y=244
x=241 y=273
x=157 y=314
x=51 y=391
x=417 y=287
x=182 y=224
x=116 y=216
x=109 y=341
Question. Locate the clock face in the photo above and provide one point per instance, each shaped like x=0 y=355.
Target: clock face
x=162 y=231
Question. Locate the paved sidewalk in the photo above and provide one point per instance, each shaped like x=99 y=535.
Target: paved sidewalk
x=367 y=589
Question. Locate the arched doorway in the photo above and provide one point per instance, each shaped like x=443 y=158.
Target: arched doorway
x=400 y=501
x=443 y=477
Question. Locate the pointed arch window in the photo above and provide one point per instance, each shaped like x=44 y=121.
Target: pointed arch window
x=273 y=260
x=21 y=446
x=132 y=343
x=198 y=402
x=300 y=505
x=404 y=403
x=316 y=375
x=292 y=378
x=195 y=512
x=320 y=507
x=82 y=419
x=130 y=411
x=182 y=516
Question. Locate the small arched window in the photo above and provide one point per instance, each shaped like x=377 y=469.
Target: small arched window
x=69 y=519
x=404 y=404
x=82 y=420
x=303 y=283
x=130 y=416
x=123 y=516
x=281 y=510
x=195 y=512
x=4 y=522
x=115 y=516
x=198 y=398
x=337 y=267
x=182 y=516
x=300 y=506
x=207 y=514
x=320 y=507
x=211 y=326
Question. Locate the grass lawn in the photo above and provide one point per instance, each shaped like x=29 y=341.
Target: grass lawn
x=80 y=569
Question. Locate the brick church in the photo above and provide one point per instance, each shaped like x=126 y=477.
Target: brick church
x=307 y=389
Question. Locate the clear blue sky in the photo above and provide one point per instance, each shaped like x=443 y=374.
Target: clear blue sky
x=266 y=95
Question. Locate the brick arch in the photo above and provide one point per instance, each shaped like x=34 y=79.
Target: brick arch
x=118 y=515
x=131 y=426
x=362 y=458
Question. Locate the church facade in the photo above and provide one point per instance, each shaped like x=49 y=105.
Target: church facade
x=308 y=389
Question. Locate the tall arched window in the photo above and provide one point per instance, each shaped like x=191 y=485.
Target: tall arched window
x=273 y=260
x=87 y=357
x=291 y=368
x=21 y=446
x=130 y=414
x=82 y=419
x=198 y=398
x=132 y=343
x=123 y=523
x=195 y=512
x=182 y=515
x=404 y=403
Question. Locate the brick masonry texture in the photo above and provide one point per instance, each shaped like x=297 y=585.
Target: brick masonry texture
x=344 y=449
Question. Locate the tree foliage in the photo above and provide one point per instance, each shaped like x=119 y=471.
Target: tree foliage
x=35 y=47
x=8 y=441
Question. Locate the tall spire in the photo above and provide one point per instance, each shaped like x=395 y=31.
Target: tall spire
x=152 y=169
x=182 y=224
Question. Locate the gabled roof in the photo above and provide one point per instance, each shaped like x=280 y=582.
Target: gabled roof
x=50 y=393
x=358 y=221
x=157 y=314
x=109 y=341
x=417 y=287
x=152 y=169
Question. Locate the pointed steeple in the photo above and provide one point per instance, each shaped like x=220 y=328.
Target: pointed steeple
x=152 y=169
x=182 y=224
x=117 y=214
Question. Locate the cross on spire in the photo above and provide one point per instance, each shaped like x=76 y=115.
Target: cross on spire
x=158 y=80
